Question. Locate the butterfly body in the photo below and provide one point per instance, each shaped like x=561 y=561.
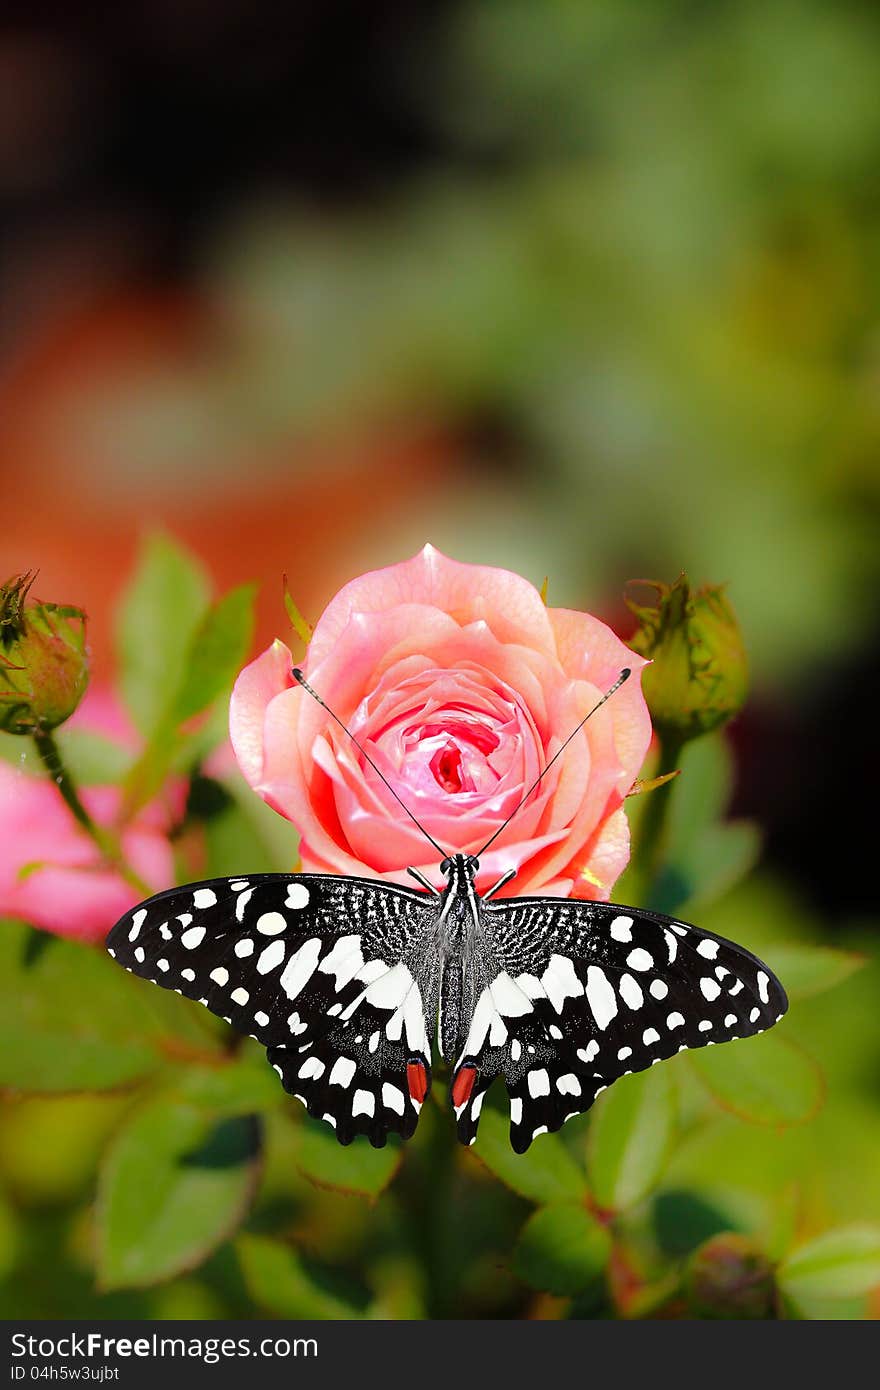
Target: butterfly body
x=347 y=981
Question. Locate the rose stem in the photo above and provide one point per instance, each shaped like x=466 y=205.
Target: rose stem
x=654 y=828
x=108 y=845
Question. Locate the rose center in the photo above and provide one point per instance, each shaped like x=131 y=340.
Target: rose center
x=446 y=767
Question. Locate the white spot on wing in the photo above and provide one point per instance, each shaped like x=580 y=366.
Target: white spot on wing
x=364 y=1103
x=301 y=966
x=630 y=992
x=343 y=1071
x=621 y=928
x=710 y=988
x=392 y=1097
x=270 y=957
x=297 y=896
x=270 y=923
x=539 y=1083
x=763 y=982
x=137 y=922
x=509 y=999
x=221 y=975
x=344 y=961
x=640 y=959
x=204 y=897
x=600 y=996
x=193 y=938
x=560 y=982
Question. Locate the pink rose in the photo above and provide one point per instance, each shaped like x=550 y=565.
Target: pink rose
x=461 y=684
x=50 y=870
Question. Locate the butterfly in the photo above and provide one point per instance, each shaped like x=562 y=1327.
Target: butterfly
x=345 y=981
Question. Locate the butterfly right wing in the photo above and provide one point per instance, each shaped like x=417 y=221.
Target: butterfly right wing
x=334 y=976
x=570 y=996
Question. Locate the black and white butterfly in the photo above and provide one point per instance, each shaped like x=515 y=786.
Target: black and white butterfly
x=345 y=981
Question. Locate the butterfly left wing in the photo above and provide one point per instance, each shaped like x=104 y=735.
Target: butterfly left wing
x=334 y=976
x=569 y=996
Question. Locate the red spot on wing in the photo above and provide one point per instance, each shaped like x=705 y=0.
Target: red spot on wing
x=417 y=1080
x=463 y=1085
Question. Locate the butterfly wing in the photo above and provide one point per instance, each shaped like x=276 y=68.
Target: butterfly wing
x=573 y=995
x=334 y=976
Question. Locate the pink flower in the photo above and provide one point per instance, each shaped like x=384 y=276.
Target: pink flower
x=51 y=873
x=461 y=684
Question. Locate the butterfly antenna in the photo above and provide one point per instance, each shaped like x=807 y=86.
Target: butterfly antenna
x=301 y=680
x=624 y=675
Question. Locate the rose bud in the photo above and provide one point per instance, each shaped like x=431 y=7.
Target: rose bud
x=44 y=666
x=730 y=1277
x=699 y=673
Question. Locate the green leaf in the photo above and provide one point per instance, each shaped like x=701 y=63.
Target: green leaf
x=562 y=1249
x=704 y=856
x=839 y=1264
x=91 y=759
x=808 y=970
x=216 y=652
x=236 y=839
x=277 y=835
x=160 y=614
x=302 y=629
x=71 y=1020
x=19 y=751
x=721 y=855
x=546 y=1172
x=209 y=664
x=766 y=1080
x=277 y=1282
x=176 y=1182
x=356 y=1168
x=701 y=793
x=631 y=1132
x=242 y=1085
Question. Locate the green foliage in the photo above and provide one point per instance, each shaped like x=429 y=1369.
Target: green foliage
x=357 y=1169
x=562 y=1249
x=175 y=1182
x=809 y=970
x=278 y=1283
x=216 y=1194
x=546 y=1172
x=178 y=653
x=72 y=1021
x=766 y=1080
x=835 y=1265
x=631 y=1133
x=159 y=619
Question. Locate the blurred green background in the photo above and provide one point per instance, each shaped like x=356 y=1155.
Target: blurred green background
x=585 y=289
